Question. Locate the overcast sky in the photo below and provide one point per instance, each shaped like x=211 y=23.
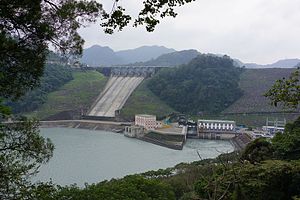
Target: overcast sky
x=261 y=31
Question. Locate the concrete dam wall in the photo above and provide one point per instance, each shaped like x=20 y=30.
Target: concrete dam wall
x=113 y=97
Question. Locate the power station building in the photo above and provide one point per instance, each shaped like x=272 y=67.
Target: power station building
x=216 y=129
x=146 y=121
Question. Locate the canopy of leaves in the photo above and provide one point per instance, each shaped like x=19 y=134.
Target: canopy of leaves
x=257 y=151
x=130 y=187
x=207 y=84
x=268 y=180
x=286 y=91
x=287 y=145
x=22 y=151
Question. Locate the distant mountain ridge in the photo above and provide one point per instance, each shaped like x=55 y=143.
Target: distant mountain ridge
x=143 y=53
x=98 y=55
x=172 y=59
x=284 y=63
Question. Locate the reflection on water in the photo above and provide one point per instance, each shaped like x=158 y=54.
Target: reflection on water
x=91 y=156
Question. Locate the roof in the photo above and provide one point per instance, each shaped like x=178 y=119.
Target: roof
x=216 y=121
x=145 y=115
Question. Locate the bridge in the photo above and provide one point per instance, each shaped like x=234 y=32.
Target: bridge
x=145 y=71
x=122 y=82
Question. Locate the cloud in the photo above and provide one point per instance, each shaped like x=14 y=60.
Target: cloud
x=261 y=31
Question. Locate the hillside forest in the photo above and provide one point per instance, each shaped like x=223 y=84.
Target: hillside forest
x=55 y=75
x=207 y=84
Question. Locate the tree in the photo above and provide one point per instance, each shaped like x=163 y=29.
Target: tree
x=22 y=150
x=258 y=151
x=286 y=91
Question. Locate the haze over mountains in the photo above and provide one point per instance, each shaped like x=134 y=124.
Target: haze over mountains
x=101 y=56
x=284 y=63
x=97 y=56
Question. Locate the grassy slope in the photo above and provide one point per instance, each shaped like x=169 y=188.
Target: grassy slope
x=143 y=101
x=75 y=95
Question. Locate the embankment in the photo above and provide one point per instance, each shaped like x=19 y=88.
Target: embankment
x=86 y=124
x=240 y=142
x=172 y=141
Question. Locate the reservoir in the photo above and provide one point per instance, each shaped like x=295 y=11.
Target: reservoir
x=85 y=156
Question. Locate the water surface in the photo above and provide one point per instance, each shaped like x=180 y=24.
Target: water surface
x=91 y=156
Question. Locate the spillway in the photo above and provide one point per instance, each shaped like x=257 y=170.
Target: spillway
x=114 y=95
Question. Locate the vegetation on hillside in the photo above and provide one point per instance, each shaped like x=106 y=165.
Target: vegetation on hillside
x=143 y=101
x=72 y=98
x=208 y=84
x=55 y=76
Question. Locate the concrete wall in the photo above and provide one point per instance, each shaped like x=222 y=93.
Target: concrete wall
x=114 y=96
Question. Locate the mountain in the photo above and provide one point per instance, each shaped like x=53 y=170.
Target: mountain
x=143 y=53
x=172 y=59
x=98 y=55
x=105 y=56
x=284 y=63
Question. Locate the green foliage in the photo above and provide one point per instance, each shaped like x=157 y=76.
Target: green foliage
x=74 y=96
x=286 y=91
x=257 y=151
x=22 y=151
x=55 y=76
x=287 y=145
x=142 y=100
x=149 y=16
x=128 y=188
x=283 y=146
x=207 y=84
x=268 y=180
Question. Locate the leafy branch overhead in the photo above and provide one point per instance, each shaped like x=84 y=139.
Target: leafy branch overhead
x=149 y=16
x=286 y=91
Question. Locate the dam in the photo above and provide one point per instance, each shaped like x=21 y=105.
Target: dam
x=115 y=94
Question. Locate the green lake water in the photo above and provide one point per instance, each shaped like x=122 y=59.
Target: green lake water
x=91 y=156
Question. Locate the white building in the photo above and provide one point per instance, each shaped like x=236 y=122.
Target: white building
x=146 y=121
x=216 y=125
x=216 y=129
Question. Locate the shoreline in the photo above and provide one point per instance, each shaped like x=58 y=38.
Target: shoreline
x=118 y=127
x=86 y=124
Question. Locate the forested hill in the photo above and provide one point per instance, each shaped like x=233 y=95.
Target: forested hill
x=55 y=75
x=207 y=84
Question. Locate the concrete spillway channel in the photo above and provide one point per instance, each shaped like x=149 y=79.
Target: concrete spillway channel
x=114 y=96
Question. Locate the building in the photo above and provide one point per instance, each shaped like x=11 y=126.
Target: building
x=216 y=129
x=274 y=126
x=146 y=121
x=134 y=131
